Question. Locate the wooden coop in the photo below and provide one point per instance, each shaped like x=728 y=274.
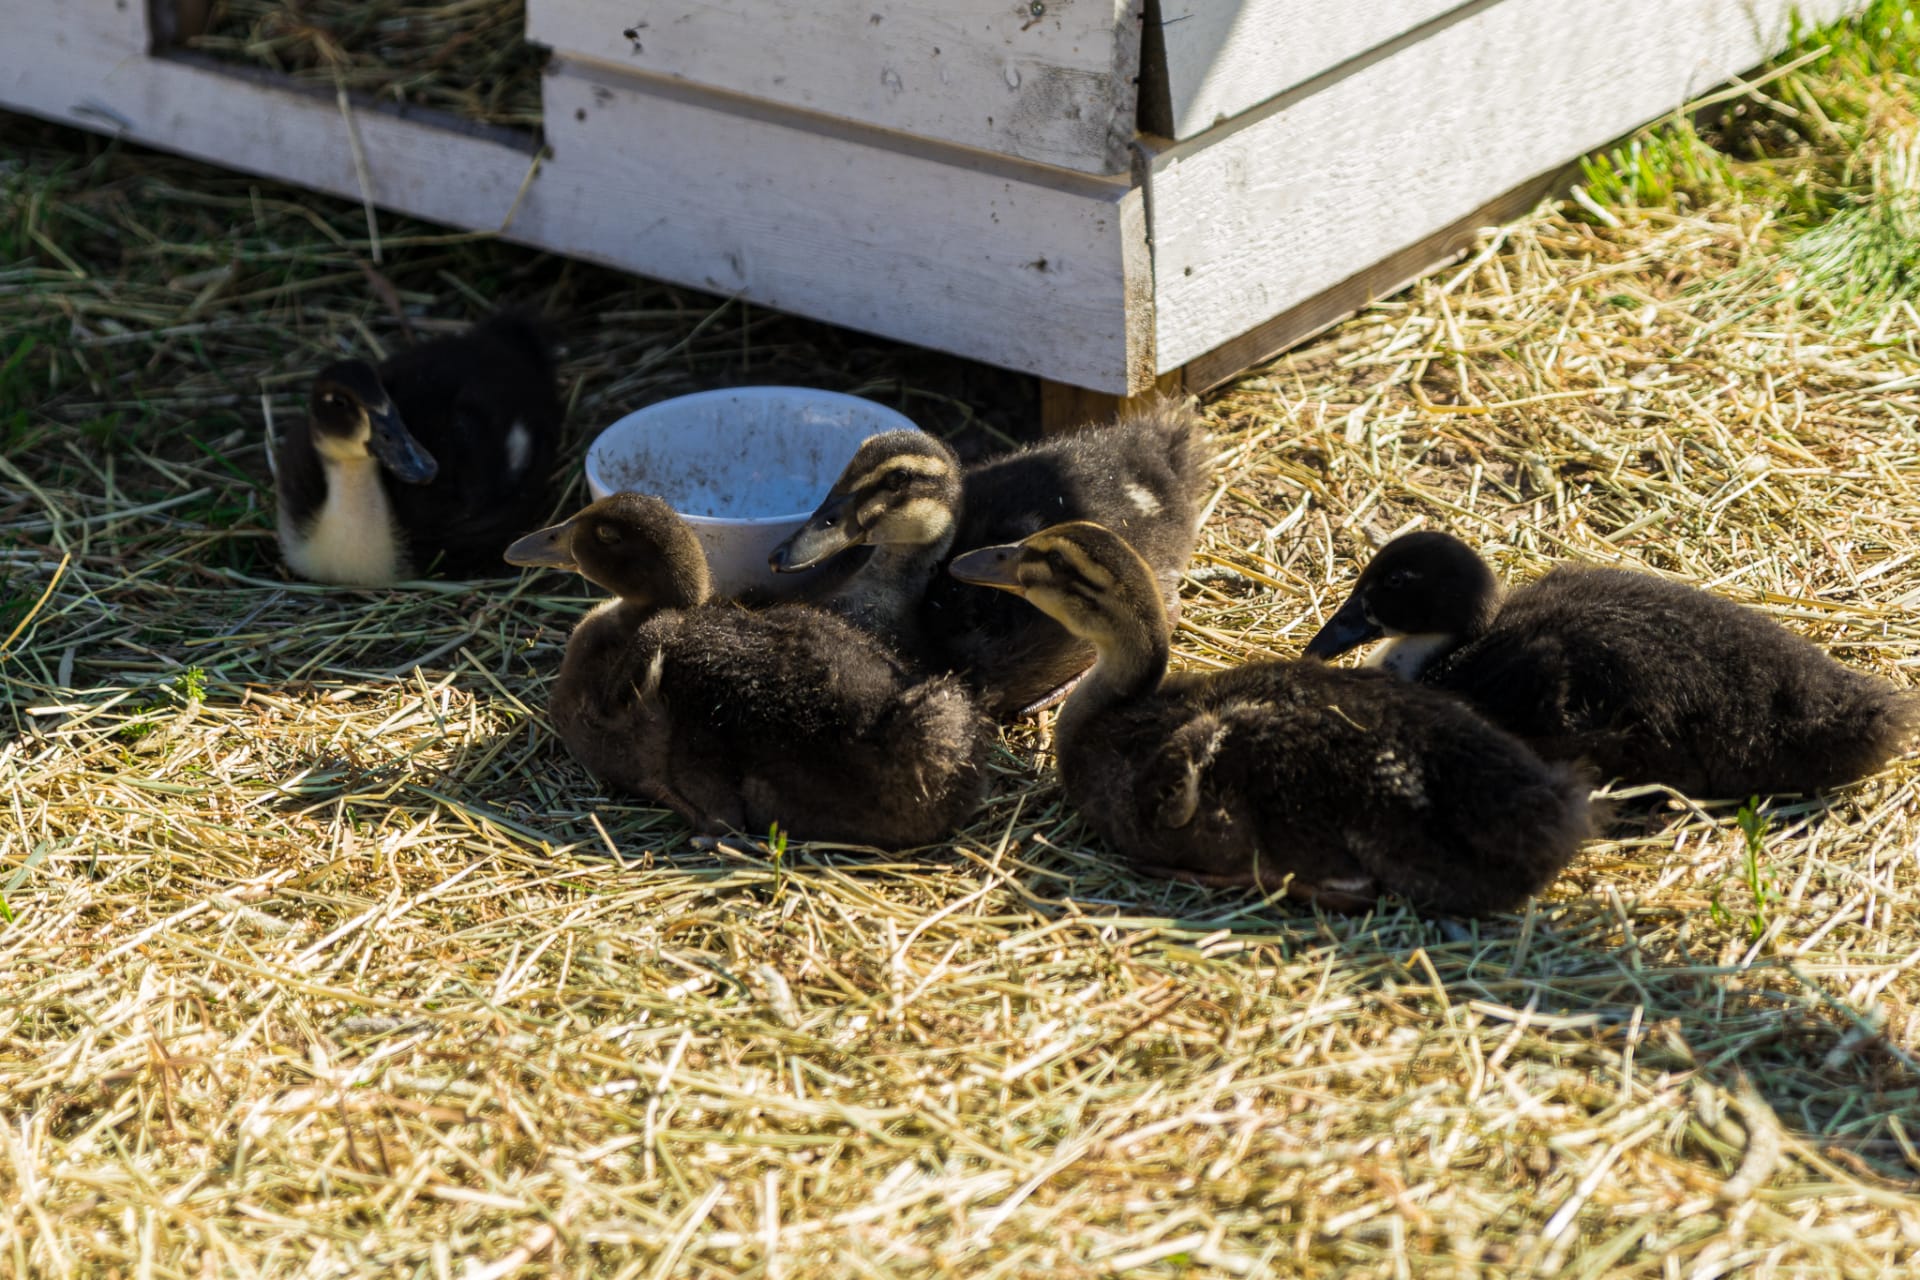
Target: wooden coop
x=1109 y=194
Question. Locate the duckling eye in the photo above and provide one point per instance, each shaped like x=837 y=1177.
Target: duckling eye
x=896 y=480
x=330 y=400
x=1400 y=578
x=1056 y=562
x=607 y=534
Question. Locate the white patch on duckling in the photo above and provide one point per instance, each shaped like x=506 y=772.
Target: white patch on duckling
x=519 y=447
x=351 y=540
x=1408 y=656
x=1400 y=778
x=1143 y=499
x=656 y=669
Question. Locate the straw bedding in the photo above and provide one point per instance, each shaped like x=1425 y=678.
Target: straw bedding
x=320 y=958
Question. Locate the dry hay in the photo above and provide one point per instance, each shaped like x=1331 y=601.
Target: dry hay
x=469 y=57
x=324 y=960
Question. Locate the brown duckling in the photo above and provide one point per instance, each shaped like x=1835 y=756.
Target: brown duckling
x=1649 y=680
x=1332 y=784
x=740 y=719
x=431 y=463
x=906 y=496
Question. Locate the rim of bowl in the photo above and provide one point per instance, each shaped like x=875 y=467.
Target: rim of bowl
x=755 y=392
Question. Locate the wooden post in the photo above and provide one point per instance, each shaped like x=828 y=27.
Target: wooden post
x=1064 y=407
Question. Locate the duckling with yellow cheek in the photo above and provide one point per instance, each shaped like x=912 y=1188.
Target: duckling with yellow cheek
x=1650 y=681
x=906 y=496
x=739 y=719
x=433 y=462
x=1331 y=784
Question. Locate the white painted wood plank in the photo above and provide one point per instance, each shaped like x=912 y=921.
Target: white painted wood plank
x=1265 y=213
x=973 y=261
x=1223 y=57
x=114 y=24
x=1046 y=80
x=916 y=247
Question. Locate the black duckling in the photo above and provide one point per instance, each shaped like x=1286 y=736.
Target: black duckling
x=1333 y=784
x=905 y=495
x=434 y=461
x=739 y=719
x=1649 y=680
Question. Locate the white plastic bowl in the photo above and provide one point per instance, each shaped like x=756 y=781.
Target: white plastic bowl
x=744 y=466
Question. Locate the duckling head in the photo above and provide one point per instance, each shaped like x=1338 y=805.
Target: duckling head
x=1082 y=575
x=1426 y=586
x=902 y=489
x=631 y=544
x=352 y=418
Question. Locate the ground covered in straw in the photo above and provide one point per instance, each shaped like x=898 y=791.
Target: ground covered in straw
x=318 y=956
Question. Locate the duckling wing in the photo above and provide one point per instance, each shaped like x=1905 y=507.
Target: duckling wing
x=1298 y=775
x=485 y=406
x=796 y=717
x=1655 y=681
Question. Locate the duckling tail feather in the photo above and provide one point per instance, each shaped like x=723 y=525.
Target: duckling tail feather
x=1869 y=722
x=1540 y=825
x=948 y=766
x=1183 y=435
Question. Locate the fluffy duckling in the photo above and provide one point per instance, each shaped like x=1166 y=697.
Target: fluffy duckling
x=739 y=719
x=906 y=496
x=1331 y=783
x=434 y=461
x=1649 y=680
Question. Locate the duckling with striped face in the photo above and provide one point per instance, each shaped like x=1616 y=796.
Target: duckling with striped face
x=900 y=495
x=1648 y=680
x=1328 y=784
x=432 y=462
x=906 y=494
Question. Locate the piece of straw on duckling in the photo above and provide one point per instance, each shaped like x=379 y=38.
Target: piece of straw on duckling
x=1650 y=681
x=1331 y=784
x=742 y=719
x=905 y=495
x=431 y=463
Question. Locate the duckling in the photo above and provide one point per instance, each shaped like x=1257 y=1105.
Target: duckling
x=1331 y=784
x=434 y=461
x=1651 y=681
x=905 y=495
x=738 y=719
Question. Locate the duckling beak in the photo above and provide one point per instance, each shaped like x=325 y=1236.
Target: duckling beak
x=1348 y=629
x=828 y=531
x=391 y=442
x=990 y=567
x=550 y=548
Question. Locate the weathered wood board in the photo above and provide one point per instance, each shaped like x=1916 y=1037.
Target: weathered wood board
x=1219 y=58
x=1261 y=215
x=1208 y=254
x=1044 y=80
x=1042 y=275
x=923 y=248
